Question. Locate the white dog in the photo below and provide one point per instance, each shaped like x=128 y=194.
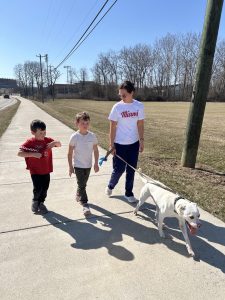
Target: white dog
x=169 y=204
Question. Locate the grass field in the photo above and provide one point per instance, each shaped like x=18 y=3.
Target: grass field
x=6 y=116
x=164 y=136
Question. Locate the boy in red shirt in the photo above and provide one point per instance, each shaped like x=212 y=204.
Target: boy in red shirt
x=38 y=156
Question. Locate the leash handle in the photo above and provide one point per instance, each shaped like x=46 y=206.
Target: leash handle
x=109 y=152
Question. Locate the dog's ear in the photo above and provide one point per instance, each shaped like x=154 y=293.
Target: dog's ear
x=180 y=209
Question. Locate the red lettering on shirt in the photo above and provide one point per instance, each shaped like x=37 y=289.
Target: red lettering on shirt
x=128 y=114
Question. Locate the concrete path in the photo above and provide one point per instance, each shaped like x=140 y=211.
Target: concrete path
x=113 y=255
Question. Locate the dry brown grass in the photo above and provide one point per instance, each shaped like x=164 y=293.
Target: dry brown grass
x=6 y=116
x=164 y=134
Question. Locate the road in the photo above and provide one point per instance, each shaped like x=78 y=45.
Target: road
x=6 y=102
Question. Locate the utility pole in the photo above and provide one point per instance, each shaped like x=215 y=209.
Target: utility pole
x=42 y=92
x=46 y=60
x=202 y=80
x=67 y=78
x=52 y=82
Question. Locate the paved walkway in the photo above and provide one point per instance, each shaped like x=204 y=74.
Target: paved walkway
x=113 y=255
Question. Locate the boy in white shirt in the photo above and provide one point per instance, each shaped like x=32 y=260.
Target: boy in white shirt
x=83 y=143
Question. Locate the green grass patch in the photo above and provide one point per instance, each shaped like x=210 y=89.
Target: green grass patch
x=6 y=116
x=165 y=125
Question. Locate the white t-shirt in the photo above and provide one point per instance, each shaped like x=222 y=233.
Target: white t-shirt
x=83 y=148
x=126 y=115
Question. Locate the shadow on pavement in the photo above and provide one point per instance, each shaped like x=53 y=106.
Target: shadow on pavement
x=114 y=226
x=88 y=236
x=204 y=251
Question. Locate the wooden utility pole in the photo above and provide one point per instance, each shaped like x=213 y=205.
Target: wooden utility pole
x=202 y=80
x=46 y=60
x=51 y=83
x=42 y=91
x=67 y=79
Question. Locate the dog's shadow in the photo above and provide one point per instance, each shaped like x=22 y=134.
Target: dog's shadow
x=212 y=233
x=109 y=231
x=204 y=250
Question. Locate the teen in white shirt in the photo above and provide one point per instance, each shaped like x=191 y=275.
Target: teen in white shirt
x=126 y=137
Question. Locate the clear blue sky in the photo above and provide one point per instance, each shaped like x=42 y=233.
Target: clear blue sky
x=32 y=27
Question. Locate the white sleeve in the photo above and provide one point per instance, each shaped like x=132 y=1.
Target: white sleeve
x=72 y=140
x=141 y=114
x=95 y=140
x=113 y=116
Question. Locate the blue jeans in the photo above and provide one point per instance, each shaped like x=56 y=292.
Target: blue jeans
x=130 y=154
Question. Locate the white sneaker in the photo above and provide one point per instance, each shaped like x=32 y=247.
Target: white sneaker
x=86 y=210
x=130 y=199
x=108 y=192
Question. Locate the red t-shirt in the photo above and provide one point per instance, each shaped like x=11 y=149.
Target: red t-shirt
x=41 y=165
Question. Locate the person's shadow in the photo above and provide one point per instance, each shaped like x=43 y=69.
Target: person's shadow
x=88 y=236
x=204 y=250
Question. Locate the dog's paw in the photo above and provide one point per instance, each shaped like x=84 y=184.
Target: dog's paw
x=190 y=251
x=191 y=254
x=135 y=211
x=162 y=234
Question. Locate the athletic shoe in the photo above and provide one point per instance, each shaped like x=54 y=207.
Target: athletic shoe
x=108 y=191
x=86 y=210
x=42 y=208
x=130 y=199
x=34 y=206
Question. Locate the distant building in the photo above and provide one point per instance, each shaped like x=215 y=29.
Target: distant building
x=7 y=85
x=76 y=89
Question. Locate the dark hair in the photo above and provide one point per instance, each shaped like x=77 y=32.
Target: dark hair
x=82 y=116
x=128 y=86
x=37 y=124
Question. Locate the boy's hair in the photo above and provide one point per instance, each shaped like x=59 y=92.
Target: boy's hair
x=82 y=116
x=128 y=86
x=37 y=124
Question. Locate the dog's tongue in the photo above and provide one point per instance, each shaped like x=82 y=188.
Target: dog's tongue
x=192 y=229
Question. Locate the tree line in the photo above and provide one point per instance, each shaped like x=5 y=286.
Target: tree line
x=162 y=71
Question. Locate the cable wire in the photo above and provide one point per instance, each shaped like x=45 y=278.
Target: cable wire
x=73 y=49
x=92 y=28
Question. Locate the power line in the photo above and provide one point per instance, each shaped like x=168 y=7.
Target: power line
x=73 y=49
x=74 y=33
x=93 y=28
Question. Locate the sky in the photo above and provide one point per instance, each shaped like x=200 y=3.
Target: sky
x=32 y=27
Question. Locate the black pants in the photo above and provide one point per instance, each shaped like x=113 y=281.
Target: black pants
x=82 y=176
x=40 y=186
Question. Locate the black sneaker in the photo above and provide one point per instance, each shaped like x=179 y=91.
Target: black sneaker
x=42 y=208
x=34 y=206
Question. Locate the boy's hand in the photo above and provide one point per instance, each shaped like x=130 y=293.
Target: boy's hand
x=96 y=167
x=37 y=155
x=54 y=144
x=71 y=171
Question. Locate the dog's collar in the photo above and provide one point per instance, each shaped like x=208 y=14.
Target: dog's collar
x=175 y=201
